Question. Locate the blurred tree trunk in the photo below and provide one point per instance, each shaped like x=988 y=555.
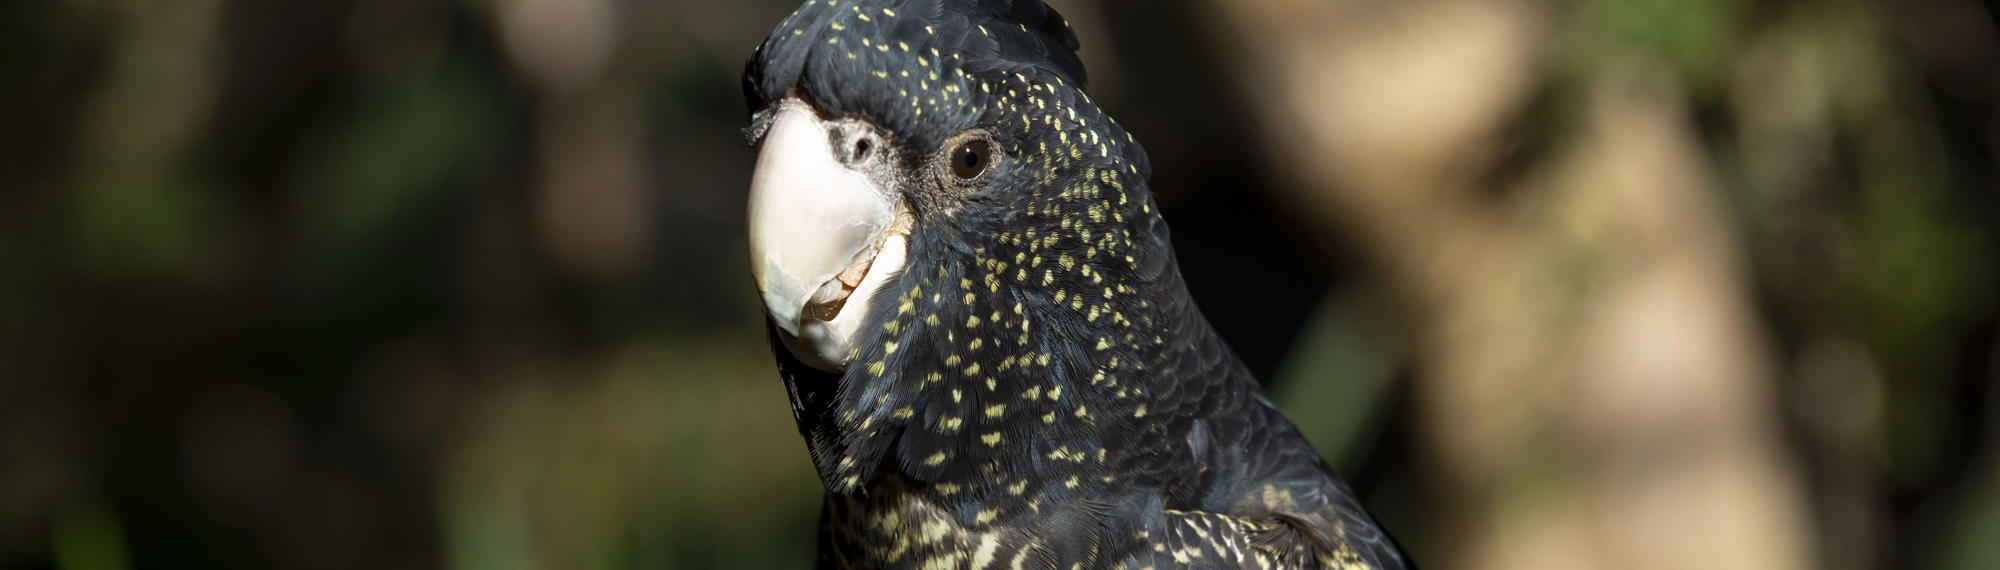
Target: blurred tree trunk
x=1593 y=386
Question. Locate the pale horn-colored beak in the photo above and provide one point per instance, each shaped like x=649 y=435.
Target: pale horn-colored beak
x=824 y=236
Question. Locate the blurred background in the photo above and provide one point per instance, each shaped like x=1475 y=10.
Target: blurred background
x=1557 y=284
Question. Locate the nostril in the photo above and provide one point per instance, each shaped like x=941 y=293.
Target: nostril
x=861 y=148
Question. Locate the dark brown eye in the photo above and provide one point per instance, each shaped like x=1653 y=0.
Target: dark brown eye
x=971 y=158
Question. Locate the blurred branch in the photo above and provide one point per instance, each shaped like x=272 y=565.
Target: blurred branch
x=1592 y=378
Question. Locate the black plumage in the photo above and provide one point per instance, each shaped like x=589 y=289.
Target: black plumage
x=1035 y=389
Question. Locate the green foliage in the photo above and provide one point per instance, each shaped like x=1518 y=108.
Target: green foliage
x=1695 y=39
x=404 y=147
x=673 y=452
x=87 y=538
x=1334 y=382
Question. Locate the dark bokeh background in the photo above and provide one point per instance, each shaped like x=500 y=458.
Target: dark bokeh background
x=413 y=284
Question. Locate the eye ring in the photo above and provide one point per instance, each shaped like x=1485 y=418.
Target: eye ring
x=970 y=157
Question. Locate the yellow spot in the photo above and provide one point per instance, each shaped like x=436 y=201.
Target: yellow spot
x=983 y=556
x=951 y=423
x=1141 y=412
x=991 y=439
x=877 y=368
x=996 y=410
x=1055 y=393
x=987 y=516
x=1033 y=393
x=1071 y=483
x=935 y=459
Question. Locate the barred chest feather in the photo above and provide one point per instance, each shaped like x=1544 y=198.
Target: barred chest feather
x=893 y=528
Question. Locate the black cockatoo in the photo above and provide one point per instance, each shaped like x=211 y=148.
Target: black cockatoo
x=979 y=319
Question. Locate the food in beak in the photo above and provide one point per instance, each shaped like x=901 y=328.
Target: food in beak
x=823 y=237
